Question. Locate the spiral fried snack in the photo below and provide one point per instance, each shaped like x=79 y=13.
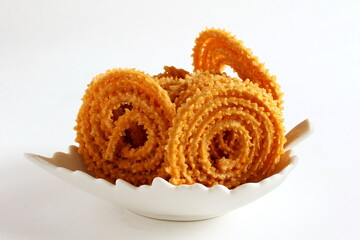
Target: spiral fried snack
x=173 y=81
x=214 y=49
x=226 y=131
x=122 y=126
x=201 y=127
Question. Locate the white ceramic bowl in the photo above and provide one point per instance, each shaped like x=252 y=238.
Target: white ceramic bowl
x=162 y=200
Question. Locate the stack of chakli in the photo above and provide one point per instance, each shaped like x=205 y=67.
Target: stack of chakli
x=201 y=127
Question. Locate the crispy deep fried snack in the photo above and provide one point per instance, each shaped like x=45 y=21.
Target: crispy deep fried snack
x=214 y=49
x=173 y=81
x=202 y=127
x=226 y=131
x=122 y=126
x=171 y=71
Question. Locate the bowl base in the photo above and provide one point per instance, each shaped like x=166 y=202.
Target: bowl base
x=175 y=218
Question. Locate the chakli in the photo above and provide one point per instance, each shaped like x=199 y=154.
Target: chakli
x=200 y=127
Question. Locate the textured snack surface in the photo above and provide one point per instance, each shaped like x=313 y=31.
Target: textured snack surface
x=122 y=126
x=200 y=127
x=214 y=49
x=226 y=131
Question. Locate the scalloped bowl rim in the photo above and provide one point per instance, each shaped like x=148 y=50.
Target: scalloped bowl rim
x=165 y=201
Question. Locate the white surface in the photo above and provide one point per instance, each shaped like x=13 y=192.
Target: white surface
x=50 y=50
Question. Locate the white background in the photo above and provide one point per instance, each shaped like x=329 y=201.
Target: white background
x=50 y=50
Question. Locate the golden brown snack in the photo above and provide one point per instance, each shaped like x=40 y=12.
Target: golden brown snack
x=122 y=126
x=202 y=127
x=226 y=131
x=214 y=49
x=173 y=81
x=171 y=71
